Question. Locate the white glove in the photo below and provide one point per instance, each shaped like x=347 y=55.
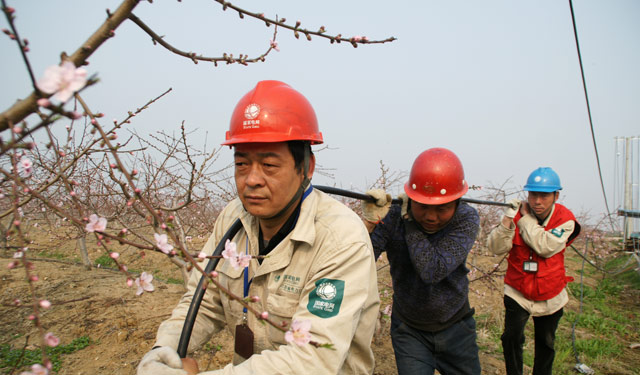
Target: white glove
x=405 y=205
x=374 y=212
x=512 y=210
x=161 y=361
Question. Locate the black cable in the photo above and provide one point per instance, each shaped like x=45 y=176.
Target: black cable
x=573 y=327
x=189 y=320
x=586 y=96
x=615 y=272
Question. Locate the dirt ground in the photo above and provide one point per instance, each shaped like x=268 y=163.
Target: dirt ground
x=122 y=326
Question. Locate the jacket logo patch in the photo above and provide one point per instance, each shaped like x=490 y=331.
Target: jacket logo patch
x=557 y=232
x=325 y=299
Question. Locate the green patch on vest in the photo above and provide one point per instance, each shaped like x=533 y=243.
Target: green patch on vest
x=325 y=299
x=557 y=232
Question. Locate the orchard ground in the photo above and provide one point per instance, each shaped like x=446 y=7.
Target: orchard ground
x=121 y=326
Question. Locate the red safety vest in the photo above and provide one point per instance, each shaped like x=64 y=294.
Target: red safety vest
x=550 y=279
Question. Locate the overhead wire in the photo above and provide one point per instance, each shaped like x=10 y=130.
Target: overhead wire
x=586 y=96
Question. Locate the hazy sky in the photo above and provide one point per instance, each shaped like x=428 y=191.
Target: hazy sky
x=497 y=82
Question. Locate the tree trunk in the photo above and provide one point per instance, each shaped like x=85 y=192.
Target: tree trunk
x=82 y=247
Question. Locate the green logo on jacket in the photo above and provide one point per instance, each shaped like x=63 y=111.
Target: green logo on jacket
x=325 y=299
x=557 y=232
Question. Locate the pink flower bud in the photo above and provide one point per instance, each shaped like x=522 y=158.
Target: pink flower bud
x=137 y=190
x=76 y=115
x=214 y=274
x=164 y=226
x=45 y=304
x=43 y=102
x=31 y=317
x=134 y=172
x=94 y=121
x=114 y=255
x=72 y=193
x=16 y=223
x=129 y=282
x=12 y=265
x=264 y=315
x=51 y=340
x=34 y=278
x=255 y=299
x=17 y=129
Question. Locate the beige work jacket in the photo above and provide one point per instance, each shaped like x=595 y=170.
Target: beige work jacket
x=323 y=271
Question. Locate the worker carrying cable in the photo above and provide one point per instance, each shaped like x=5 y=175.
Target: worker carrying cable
x=427 y=239
x=317 y=272
x=535 y=280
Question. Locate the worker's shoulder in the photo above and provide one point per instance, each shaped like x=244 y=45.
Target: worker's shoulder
x=333 y=216
x=467 y=211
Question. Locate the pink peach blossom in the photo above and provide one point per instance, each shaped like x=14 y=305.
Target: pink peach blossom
x=26 y=167
x=51 y=340
x=274 y=45
x=236 y=260
x=299 y=332
x=144 y=283
x=62 y=80
x=36 y=369
x=96 y=224
x=162 y=242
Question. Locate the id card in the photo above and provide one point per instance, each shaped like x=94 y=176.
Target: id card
x=530 y=266
x=244 y=341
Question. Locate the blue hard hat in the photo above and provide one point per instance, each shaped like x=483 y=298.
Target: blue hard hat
x=543 y=179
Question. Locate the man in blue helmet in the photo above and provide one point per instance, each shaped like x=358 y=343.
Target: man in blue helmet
x=535 y=280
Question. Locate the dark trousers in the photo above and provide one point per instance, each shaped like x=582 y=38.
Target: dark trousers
x=450 y=351
x=515 y=319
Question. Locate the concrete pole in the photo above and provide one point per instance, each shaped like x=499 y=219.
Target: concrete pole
x=628 y=189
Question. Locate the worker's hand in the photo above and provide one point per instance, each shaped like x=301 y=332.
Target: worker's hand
x=405 y=205
x=190 y=365
x=376 y=211
x=161 y=361
x=512 y=210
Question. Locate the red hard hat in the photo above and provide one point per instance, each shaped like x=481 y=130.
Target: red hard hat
x=436 y=177
x=273 y=112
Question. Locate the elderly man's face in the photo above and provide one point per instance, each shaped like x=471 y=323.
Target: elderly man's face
x=266 y=177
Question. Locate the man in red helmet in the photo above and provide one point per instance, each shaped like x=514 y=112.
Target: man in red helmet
x=427 y=240
x=316 y=273
x=535 y=280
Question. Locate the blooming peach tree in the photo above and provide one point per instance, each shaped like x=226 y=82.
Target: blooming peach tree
x=67 y=164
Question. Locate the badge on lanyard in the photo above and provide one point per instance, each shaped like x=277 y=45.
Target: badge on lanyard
x=244 y=335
